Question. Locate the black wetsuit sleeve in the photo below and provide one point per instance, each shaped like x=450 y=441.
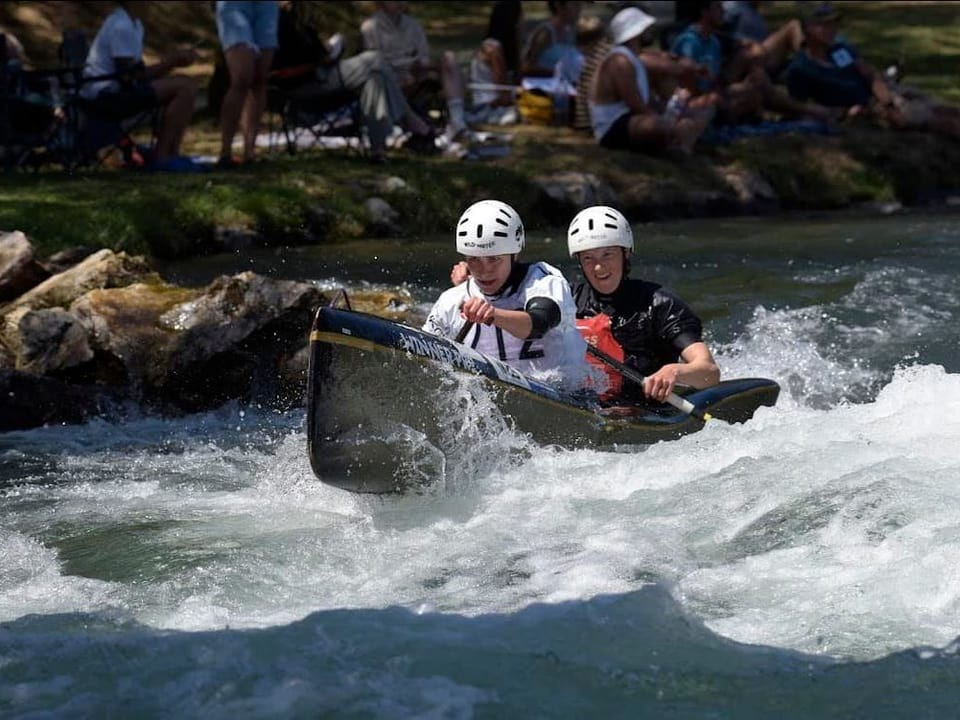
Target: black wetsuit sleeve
x=545 y=315
x=678 y=324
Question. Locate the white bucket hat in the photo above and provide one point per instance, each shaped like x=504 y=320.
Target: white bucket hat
x=629 y=23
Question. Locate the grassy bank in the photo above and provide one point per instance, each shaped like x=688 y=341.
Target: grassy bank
x=321 y=194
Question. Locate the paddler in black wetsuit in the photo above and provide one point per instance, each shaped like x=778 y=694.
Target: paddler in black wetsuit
x=638 y=322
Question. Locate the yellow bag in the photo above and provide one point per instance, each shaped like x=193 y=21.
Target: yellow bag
x=535 y=106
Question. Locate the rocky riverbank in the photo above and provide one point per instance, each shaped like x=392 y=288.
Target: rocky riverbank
x=105 y=336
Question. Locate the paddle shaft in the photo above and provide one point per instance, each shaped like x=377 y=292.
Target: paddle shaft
x=631 y=374
x=467 y=326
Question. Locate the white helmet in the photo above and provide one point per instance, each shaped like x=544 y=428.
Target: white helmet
x=489 y=227
x=596 y=227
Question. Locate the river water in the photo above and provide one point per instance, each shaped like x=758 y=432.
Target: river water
x=805 y=564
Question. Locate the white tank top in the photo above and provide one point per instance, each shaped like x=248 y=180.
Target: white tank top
x=603 y=116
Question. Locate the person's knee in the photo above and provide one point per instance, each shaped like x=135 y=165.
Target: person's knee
x=241 y=81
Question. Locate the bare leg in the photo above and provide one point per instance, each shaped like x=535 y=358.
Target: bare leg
x=255 y=104
x=241 y=63
x=177 y=95
x=781 y=44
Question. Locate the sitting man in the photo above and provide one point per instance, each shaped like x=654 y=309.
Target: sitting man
x=403 y=43
x=305 y=66
x=622 y=112
x=122 y=87
x=832 y=73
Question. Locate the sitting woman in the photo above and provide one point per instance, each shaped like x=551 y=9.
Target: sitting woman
x=553 y=43
x=305 y=65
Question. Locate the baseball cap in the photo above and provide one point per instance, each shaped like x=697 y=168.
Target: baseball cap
x=629 y=23
x=819 y=12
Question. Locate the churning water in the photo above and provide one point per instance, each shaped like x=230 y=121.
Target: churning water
x=805 y=564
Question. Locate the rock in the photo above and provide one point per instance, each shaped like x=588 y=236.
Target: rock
x=318 y=222
x=392 y=184
x=231 y=341
x=47 y=341
x=65 y=259
x=751 y=189
x=382 y=218
x=28 y=401
x=126 y=333
x=103 y=269
x=568 y=193
x=18 y=270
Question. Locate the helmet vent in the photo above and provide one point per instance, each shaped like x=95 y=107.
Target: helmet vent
x=479 y=230
x=611 y=225
x=590 y=224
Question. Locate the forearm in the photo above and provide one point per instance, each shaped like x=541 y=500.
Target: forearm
x=699 y=374
x=516 y=322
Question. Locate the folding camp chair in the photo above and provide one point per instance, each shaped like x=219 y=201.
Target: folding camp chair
x=33 y=129
x=309 y=117
x=105 y=123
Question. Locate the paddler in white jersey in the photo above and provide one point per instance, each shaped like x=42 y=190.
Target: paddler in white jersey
x=522 y=314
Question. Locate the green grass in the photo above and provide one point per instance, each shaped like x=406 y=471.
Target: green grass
x=176 y=215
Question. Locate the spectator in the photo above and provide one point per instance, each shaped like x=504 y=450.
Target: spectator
x=403 y=43
x=554 y=41
x=832 y=73
x=117 y=50
x=752 y=47
x=736 y=102
x=322 y=72
x=623 y=113
x=494 y=67
x=740 y=95
x=248 y=36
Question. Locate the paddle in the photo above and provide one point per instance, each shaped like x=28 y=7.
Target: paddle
x=631 y=374
x=463 y=332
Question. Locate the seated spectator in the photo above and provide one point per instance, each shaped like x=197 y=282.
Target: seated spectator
x=741 y=97
x=403 y=43
x=130 y=87
x=832 y=73
x=317 y=70
x=248 y=38
x=622 y=110
x=494 y=67
x=751 y=47
x=736 y=102
x=554 y=42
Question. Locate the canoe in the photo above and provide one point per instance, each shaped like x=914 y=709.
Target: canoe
x=383 y=399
